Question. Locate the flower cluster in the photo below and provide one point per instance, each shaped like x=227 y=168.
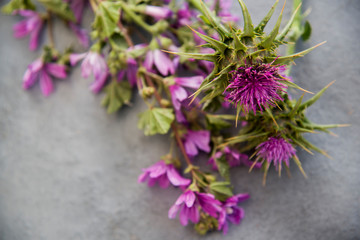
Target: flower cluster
x=198 y=82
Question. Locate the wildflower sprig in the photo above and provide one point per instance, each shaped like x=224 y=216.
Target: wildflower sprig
x=213 y=87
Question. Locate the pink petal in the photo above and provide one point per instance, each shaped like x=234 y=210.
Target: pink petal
x=190 y=147
x=98 y=84
x=190 y=82
x=29 y=78
x=149 y=60
x=143 y=177
x=183 y=216
x=34 y=37
x=163 y=181
x=46 y=84
x=57 y=70
x=75 y=58
x=163 y=63
x=173 y=211
x=175 y=177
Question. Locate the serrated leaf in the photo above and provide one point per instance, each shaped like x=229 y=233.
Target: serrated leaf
x=117 y=94
x=307 y=31
x=248 y=26
x=107 y=17
x=60 y=8
x=17 y=5
x=263 y=23
x=156 y=121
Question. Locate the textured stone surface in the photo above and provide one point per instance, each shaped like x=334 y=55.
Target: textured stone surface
x=68 y=170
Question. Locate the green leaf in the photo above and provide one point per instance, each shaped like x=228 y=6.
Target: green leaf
x=268 y=41
x=199 y=56
x=17 y=5
x=221 y=190
x=263 y=23
x=156 y=121
x=107 y=17
x=290 y=58
x=312 y=100
x=215 y=43
x=60 y=8
x=216 y=122
x=287 y=28
x=117 y=94
x=307 y=31
x=223 y=167
x=248 y=26
x=238 y=44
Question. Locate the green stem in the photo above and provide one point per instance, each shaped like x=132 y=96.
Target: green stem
x=136 y=18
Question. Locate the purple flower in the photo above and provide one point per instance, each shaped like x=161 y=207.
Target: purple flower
x=163 y=174
x=161 y=61
x=130 y=71
x=183 y=16
x=158 y=12
x=195 y=140
x=31 y=25
x=189 y=202
x=178 y=93
x=77 y=6
x=233 y=157
x=81 y=34
x=231 y=212
x=43 y=71
x=256 y=87
x=95 y=63
x=223 y=7
x=276 y=149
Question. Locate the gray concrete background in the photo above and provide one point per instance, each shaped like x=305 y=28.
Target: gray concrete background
x=68 y=170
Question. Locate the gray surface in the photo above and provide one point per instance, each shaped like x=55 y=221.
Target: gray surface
x=68 y=170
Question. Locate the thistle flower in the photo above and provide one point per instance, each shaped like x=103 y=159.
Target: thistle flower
x=160 y=60
x=189 y=202
x=95 y=63
x=256 y=87
x=42 y=71
x=231 y=212
x=277 y=150
x=31 y=25
x=233 y=157
x=195 y=140
x=158 y=12
x=163 y=174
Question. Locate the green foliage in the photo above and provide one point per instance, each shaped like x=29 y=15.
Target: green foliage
x=107 y=17
x=117 y=94
x=221 y=190
x=215 y=122
x=223 y=167
x=156 y=121
x=17 y=5
x=60 y=8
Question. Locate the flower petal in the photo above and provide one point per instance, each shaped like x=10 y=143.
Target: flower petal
x=46 y=84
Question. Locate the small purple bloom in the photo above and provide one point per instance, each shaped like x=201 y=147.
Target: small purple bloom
x=158 y=12
x=256 y=87
x=163 y=174
x=195 y=140
x=81 y=34
x=223 y=7
x=231 y=212
x=130 y=71
x=178 y=93
x=189 y=202
x=43 y=71
x=276 y=149
x=31 y=25
x=93 y=63
x=183 y=16
x=161 y=61
x=233 y=157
